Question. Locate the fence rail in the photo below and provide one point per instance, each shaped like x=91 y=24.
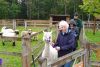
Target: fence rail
x=68 y=57
x=22 y=22
x=41 y=23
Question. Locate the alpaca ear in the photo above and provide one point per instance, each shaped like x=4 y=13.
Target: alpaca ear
x=43 y=35
x=43 y=31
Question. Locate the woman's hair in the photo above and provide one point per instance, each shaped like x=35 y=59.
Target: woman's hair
x=63 y=23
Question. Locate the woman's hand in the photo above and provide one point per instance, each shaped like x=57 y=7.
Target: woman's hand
x=57 y=48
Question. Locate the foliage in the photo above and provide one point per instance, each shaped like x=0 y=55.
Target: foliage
x=38 y=9
x=9 y=9
x=14 y=11
x=3 y=9
x=91 y=6
x=23 y=11
x=43 y=8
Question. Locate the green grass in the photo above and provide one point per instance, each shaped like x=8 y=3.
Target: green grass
x=93 y=38
x=8 y=47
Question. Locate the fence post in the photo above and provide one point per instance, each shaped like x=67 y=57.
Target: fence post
x=42 y=62
x=50 y=21
x=26 y=50
x=14 y=24
x=25 y=22
x=87 y=55
x=86 y=45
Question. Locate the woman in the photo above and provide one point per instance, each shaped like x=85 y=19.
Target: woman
x=65 y=42
x=73 y=28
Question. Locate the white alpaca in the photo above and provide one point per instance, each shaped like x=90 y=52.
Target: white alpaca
x=49 y=52
x=5 y=32
x=8 y=32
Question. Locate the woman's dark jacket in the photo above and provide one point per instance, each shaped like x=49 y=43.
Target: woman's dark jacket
x=66 y=42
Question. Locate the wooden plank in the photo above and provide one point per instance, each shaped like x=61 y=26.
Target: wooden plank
x=29 y=22
x=68 y=57
x=41 y=24
x=95 y=63
x=94 y=46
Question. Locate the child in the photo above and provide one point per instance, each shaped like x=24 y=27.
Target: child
x=73 y=28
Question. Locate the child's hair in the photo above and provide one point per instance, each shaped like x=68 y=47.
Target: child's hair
x=76 y=14
x=72 y=22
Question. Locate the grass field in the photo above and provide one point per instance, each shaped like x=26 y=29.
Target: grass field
x=93 y=38
x=15 y=61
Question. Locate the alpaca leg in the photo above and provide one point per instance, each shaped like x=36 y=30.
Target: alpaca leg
x=3 y=43
x=14 y=44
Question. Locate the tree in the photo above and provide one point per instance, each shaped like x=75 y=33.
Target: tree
x=23 y=10
x=3 y=9
x=14 y=9
x=91 y=6
x=37 y=9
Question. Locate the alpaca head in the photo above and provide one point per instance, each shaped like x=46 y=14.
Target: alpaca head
x=6 y=30
x=47 y=37
x=30 y=31
x=25 y=34
x=3 y=28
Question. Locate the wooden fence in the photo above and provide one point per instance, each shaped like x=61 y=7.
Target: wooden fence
x=22 y=22
x=38 y=23
x=62 y=60
x=91 y=25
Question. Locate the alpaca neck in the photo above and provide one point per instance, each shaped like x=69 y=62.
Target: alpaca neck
x=47 y=49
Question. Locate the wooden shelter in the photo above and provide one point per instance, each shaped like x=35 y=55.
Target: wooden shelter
x=54 y=19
